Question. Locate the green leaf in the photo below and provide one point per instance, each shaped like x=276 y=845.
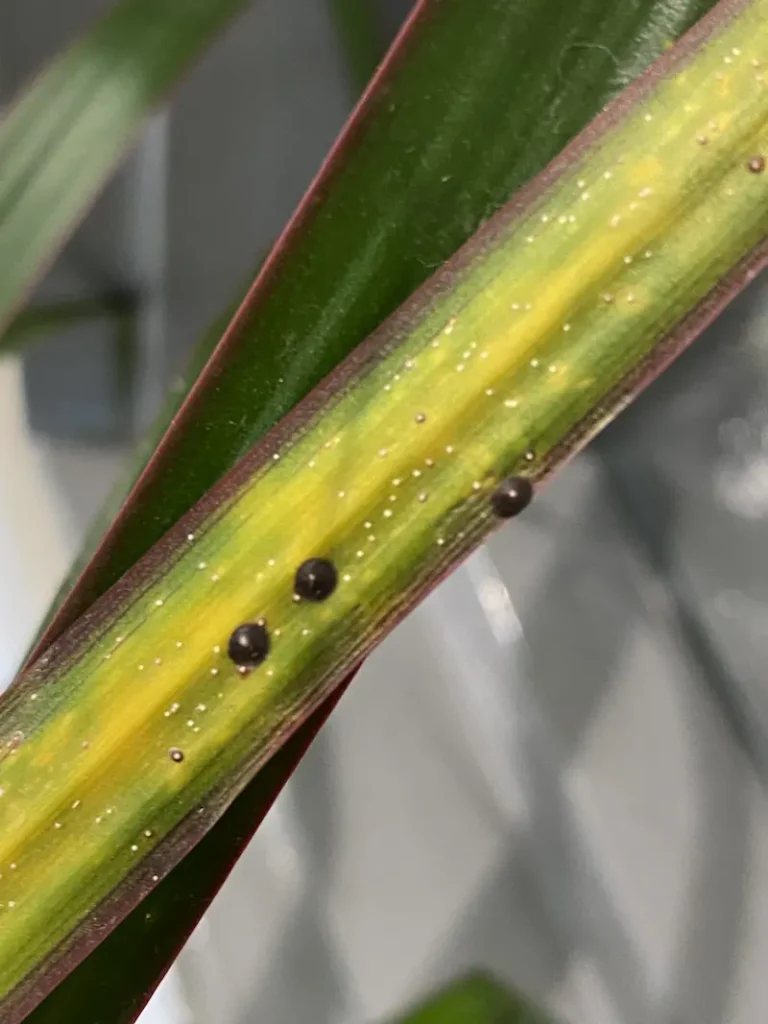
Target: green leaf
x=474 y=103
x=483 y=95
x=112 y=985
x=32 y=324
x=63 y=137
x=358 y=35
x=560 y=308
x=477 y=999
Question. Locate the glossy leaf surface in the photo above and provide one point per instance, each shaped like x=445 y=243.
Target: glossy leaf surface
x=516 y=111
x=514 y=355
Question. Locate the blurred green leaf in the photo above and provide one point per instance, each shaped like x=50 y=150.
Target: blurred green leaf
x=478 y=999
x=358 y=36
x=62 y=138
x=481 y=98
x=38 y=321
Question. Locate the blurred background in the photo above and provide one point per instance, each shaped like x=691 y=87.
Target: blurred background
x=555 y=768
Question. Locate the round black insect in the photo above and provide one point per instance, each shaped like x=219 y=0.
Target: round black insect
x=512 y=496
x=249 y=644
x=315 y=579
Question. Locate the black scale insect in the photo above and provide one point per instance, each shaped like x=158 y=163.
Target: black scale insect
x=512 y=496
x=317 y=578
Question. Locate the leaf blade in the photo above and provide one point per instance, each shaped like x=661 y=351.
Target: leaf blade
x=506 y=158
x=416 y=361
x=65 y=134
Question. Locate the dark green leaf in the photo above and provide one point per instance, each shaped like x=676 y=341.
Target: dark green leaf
x=478 y=98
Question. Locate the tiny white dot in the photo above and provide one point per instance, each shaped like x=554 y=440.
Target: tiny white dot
x=305 y=632
x=134 y=847
x=510 y=403
x=214 y=671
x=202 y=565
x=615 y=220
x=585 y=195
x=159 y=602
x=276 y=457
x=476 y=486
x=57 y=824
x=75 y=805
x=341 y=494
x=383 y=453
x=489 y=392
x=215 y=578
x=271 y=562
x=360 y=554
x=534 y=363
x=217 y=649
x=566 y=327
x=648 y=117
x=460 y=368
x=644 y=192
x=190 y=537
x=158 y=661
x=552 y=368
x=179 y=643
x=387 y=513
x=449 y=449
x=346 y=577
